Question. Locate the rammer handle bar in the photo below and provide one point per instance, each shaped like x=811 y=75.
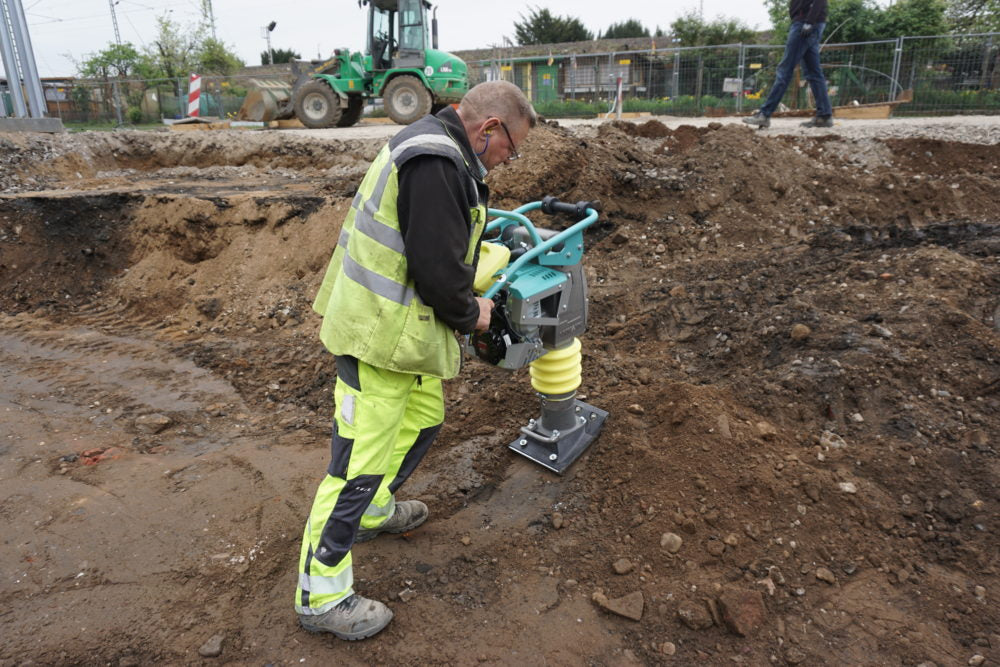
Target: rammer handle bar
x=554 y=206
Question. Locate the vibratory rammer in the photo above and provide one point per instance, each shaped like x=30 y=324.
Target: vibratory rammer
x=535 y=278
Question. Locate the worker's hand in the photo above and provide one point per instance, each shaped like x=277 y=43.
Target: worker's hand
x=485 y=310
x=807 y=29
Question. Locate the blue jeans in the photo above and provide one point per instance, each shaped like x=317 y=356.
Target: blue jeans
x=804 y=49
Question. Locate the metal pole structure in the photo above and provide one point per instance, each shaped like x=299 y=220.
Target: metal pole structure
x=10 y=65
x=26 y=57
x=210 y=15
x=266 y=33
x=677 y=74
x=114 y=21
x=742 y=67
x=896 y=62
x=116 y=94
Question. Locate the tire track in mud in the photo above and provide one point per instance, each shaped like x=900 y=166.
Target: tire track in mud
x=80 y=363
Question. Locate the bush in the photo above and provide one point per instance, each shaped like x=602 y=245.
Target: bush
x=134 y=115
x=568 y=108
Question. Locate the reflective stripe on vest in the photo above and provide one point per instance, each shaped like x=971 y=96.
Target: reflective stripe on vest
x=369 y=304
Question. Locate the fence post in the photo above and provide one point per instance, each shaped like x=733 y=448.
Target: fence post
x=698 y=80
x=222 y=106
x=117 y=101
x=987 y=52
x=677 y=74
x=742 y=67
x=896 y=62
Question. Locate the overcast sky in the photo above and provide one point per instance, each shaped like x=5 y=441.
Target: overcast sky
x=64 y=30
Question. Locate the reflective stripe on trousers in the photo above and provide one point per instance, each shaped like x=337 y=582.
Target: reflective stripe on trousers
x=384 y=422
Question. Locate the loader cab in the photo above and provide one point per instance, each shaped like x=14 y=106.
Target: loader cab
x=399 y=33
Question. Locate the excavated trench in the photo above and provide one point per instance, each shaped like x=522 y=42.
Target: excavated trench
x=763 y=340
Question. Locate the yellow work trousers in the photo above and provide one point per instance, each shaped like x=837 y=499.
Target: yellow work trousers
x=384 y=423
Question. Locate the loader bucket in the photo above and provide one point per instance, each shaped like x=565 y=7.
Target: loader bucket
x=267 y=101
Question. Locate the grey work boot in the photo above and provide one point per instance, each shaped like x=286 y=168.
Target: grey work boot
x=408 y=515
x=759 y=120
x=818 y=121
x=354 y=618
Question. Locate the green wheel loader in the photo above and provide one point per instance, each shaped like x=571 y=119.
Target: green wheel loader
x=402 y=65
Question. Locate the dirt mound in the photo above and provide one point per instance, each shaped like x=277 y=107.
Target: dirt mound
x=796 y=339
x=651 y=129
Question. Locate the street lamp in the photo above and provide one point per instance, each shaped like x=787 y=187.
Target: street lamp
x=265 y=32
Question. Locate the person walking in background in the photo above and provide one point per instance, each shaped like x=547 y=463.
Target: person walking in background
x=808 y=21
x=398 y=285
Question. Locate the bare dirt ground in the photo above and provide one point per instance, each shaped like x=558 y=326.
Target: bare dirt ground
x=797 y=337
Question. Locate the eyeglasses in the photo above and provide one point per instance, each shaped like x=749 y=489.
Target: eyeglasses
x=513 y=150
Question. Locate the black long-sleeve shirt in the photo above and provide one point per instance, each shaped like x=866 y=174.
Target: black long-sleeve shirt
x=435 y=220
x=808 y=11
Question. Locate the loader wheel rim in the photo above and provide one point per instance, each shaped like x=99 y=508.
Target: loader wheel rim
x=406 y=102
x=315 y=106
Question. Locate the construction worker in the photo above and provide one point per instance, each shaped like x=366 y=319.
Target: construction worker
x=399 y=284
x=808 y=21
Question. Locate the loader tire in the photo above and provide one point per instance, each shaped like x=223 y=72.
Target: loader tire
x=316 y=105
x=406 y=100
x=352 y=114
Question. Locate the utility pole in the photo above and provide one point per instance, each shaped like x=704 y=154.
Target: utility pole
x=114 y=84
x=209 y=14
x=114 y=21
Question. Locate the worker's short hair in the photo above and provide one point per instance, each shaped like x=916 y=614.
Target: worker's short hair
x=501 y=99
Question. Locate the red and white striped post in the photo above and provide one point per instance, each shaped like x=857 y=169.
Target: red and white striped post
x=194 y=95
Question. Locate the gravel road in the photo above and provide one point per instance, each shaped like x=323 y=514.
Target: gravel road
x=966 y=129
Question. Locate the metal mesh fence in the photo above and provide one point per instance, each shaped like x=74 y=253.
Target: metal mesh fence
x=139 y=101
x=941 y=75
x=950 y=74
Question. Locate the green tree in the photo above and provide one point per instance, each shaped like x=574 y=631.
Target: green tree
x=214 y=57
x=174 y=50
x=629 y=28
x=692 y=30
x=865 y=21
x=847 y=21
x=916 y=18
x=541 y=27
x=974 y=15
x=280 y=56
x=177 y=51
x=116 y=60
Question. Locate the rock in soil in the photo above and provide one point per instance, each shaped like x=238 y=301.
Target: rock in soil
x=629 y=606
x=694 y=615
x=671 y=542
x=742 y=610
x=212 y=648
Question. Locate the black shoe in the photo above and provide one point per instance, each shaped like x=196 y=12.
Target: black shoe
x=759 y=120
x=818 y=121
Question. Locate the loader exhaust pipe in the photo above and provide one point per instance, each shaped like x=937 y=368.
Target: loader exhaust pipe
x=434 y=29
